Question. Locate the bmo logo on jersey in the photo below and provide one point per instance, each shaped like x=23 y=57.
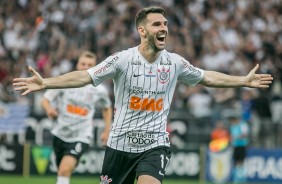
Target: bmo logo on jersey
x=145 y=104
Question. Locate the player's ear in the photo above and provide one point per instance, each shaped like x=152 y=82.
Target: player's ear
x=141 y=31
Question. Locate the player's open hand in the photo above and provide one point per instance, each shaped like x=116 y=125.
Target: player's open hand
x=27 y=85
x=258 y=80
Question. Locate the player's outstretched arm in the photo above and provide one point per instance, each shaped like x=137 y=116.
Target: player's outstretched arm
x=252 y=80
x=36 y=82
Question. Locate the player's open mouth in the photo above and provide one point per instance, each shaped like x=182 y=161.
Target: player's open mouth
x=161 y=38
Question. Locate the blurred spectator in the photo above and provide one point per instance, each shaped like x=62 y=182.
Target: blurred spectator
x=220 y=137
x=4 y=70
x=200 y=106
x=220 y=131
x=247 y=96
x=224 y=100
x=276 y=99
x=265 y=134
x=247 y=103
x=276 y=107
x=239 y=130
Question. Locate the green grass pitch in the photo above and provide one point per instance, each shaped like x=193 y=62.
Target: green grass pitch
x=11 y=179
x=16 y=179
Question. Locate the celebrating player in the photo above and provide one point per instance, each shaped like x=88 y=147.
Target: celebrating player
x=145 y=78
x=73 y=130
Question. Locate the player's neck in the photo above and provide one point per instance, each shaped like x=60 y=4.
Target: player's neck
x=148 y=53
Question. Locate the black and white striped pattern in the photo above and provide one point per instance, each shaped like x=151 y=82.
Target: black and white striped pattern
x=143 y=94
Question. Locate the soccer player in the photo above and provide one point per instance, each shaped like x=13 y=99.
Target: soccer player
x=144 y=78
x=73 y=130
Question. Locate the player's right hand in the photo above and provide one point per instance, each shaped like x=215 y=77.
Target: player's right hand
x=52 y=113
x=30 y=84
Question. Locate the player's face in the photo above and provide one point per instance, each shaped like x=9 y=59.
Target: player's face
x=85 y=63
x=156 y=31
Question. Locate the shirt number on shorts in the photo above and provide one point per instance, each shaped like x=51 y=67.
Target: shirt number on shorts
x=163 y=160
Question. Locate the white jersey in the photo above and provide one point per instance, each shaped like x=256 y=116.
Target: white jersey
x=143 y=94
x=76 y=108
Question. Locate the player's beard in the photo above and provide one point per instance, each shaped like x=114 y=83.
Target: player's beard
x=152 y=43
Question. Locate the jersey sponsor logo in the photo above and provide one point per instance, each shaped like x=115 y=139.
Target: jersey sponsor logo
x=139 y=90
x=185 y=63
x=137 y=62
x=145 y=104
x=163 y=75
x=191 y=68
x=150 y=74
x=74 y=109
x=167 y=62
x=140 y=139
x=137 y=75
x=105 y=67
x=105 y=179
x=194 y=70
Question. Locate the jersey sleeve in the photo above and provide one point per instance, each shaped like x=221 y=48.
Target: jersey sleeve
x=188 y=73
x=52 y=94
x=106 y=69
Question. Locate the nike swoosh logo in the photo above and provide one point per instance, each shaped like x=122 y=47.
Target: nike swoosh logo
x=160 y=173
x=134 y=75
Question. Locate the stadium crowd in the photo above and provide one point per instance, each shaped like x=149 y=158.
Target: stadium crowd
x=227 y=36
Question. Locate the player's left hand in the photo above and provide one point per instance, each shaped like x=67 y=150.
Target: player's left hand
x=258 y=80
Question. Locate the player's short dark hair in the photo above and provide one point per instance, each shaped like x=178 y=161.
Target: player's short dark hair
x=88 y=54
x=142 y=14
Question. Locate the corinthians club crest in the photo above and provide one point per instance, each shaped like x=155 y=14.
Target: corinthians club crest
x=163 y=75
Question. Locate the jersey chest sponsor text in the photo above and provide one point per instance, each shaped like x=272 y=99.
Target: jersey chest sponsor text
x=140 y=139
x=145 y=104
x=74 y=109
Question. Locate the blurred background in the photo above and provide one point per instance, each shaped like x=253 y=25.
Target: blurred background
x=222 y=35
